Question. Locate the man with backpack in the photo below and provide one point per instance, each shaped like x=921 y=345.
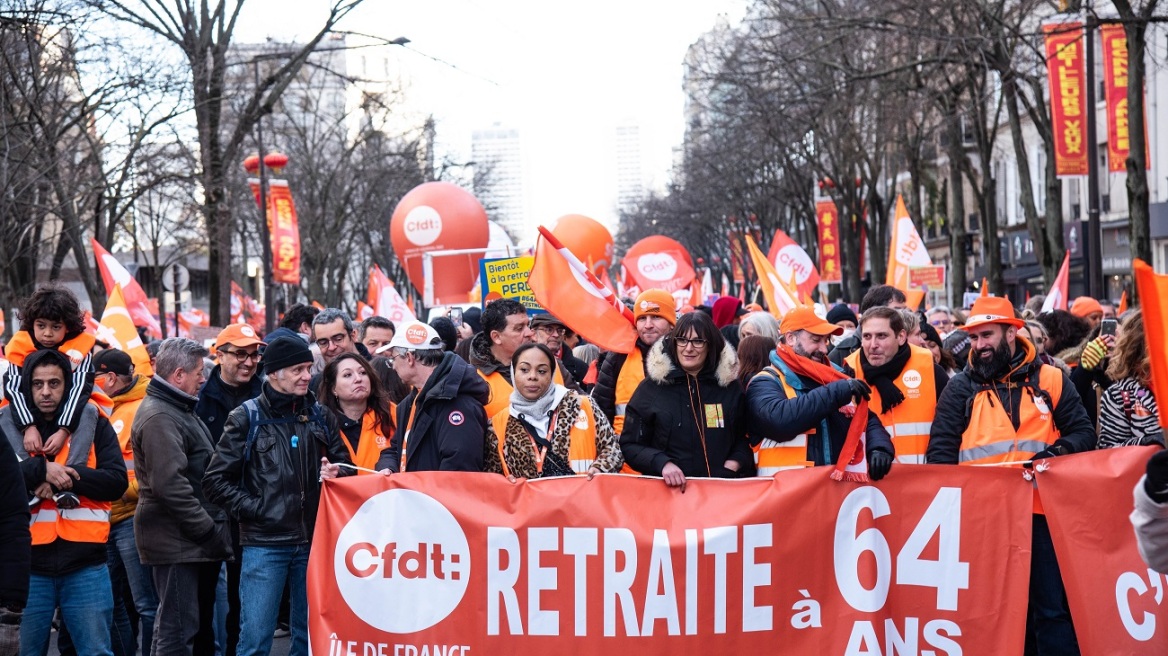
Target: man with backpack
x=265 y=473
x=1008 y=406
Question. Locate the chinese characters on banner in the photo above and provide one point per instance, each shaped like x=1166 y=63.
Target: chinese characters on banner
x=829 y=245
x=1068 y=100
x=1115 y=63
x=284 y=229
x=933 y=558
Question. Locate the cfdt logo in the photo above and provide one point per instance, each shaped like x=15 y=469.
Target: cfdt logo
x=383 y=569
x=657 y=266
x=423 y=225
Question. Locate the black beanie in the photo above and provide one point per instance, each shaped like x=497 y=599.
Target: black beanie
x=284 y=352
x=841 y=312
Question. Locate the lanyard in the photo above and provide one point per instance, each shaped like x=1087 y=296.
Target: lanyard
x=541 y=451
x=406 y=435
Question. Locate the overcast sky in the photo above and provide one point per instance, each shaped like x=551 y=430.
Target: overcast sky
x=564 y=74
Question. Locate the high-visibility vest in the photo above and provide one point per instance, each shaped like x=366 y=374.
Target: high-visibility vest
x=372 y=441
x=122 y=420
x=908 y=423
x=990 y=436
x=772 y=456
x=631 y=374
x=581 y=437
x=501 y=390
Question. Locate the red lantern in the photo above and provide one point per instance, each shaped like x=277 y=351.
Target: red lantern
x=252 y=164
x=276 y=162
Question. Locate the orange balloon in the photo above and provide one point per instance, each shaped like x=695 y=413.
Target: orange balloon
x=440 y=216
x=658 y=263
x=586 y=238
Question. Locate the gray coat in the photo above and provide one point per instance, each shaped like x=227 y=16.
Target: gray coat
x=172 y=448
x=1151 y=523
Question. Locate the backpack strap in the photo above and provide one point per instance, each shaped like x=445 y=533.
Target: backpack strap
x=253 y=422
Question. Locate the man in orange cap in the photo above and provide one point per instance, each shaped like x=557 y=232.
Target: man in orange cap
x=798 y=409
x=1009 y=407
x=655 y=312
x=1088 y=309
x=233 y=381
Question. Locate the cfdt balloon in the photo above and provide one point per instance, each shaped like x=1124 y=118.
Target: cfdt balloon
x=586 y=238
x=440 y=216
x=658 y=263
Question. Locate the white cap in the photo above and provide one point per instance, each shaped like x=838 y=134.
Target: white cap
x=414 y=336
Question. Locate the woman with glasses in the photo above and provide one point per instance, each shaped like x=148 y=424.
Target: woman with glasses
x=353 y=391
x=547 y=429
x=687 y=418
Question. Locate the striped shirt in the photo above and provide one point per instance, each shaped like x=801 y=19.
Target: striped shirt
x=1128 y=416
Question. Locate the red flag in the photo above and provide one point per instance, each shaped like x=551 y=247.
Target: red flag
x=1056 y=298
x=1122 y=303
x=985 y=287
x=564 y=286
x=789 y=260
x=113 y=273
x=385 y=300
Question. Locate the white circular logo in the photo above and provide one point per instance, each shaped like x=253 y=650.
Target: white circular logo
x=384 y=568
x=423 y=225
x=118 y=425
x=1040 y=404
x=247 y=331
x=911 y=379
x=793 y=258
x=658 y=267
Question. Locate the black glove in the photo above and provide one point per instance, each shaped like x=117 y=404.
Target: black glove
x=1051 y=451
x=1156 y=484
x=860 y=389
x=879 y=464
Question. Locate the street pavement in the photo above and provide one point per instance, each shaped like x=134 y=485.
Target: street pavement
x=280 y=646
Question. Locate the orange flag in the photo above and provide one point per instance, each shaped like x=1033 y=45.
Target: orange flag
x=781 y=296
x=985 y=288
x=906 y=251
x=117 y=329
x=567 y=289
x=1056 y=298
x=1153 y=293
x=1122 y=303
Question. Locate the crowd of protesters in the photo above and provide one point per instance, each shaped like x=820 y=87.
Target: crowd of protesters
x=174 y=513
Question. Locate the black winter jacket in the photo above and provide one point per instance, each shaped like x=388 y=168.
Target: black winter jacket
x=174 y=522
x=450 y=423
x=605 y=391
x=846 y=347
x=1076 y=433
x=771 y=414
x=274 y=494
x=217 y=399
x=15 y=539
x=660 y=425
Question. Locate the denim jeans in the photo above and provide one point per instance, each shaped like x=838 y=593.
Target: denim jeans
x=1049 y=628
x=125 y=566
x=86 y=602
x=265 y=572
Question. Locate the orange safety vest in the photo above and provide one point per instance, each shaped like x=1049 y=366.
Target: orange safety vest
x=122 y=420
x=89 y=522
x=908 y=423
x=21 y=346
x=581 y=437
x=771 y=456
x=372 y=442
x=501 y=390
x=630 y=376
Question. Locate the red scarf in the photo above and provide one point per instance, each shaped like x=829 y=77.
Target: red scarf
x=851 y=465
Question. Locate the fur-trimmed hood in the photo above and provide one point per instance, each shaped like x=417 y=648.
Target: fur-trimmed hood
x=662 y=370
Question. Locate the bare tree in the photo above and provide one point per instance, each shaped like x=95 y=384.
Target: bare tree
x=203 y=32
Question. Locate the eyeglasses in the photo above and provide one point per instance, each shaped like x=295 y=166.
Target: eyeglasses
x=242 y=356
x=554 y=331
x=939 y=323
x=696 y=342
x=335 y=340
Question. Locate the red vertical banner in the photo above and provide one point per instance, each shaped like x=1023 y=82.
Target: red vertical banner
x=284 y=230
x=1115 y=69
x=827 y=220
x=737 y=256
x=1068 y=95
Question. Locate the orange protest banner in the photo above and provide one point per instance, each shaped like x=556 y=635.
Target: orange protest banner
x=1115 y=76
x=933 y=559
x=1068 y=100
x=284 y=230
x=1153 y=295
x=827 y=220
x=1114 y=597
